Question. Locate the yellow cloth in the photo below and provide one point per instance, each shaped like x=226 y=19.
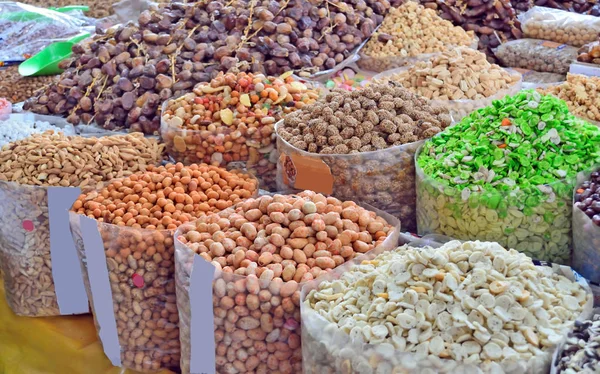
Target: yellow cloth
x=51 y=345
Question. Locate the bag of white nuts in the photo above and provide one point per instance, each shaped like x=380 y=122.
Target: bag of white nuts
x=239 y=274
x=464 y=307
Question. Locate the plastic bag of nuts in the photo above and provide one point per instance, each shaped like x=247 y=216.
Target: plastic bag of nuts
x=424 y=333
x=539 y=55
x=261 y=253
x=586 y=227
x=40 y=178
x=559 y=26
x=125 y=245
x=230 y=122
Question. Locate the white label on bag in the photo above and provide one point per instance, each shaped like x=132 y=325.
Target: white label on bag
x=100 y=289
x=66 y=271
x=202 y=328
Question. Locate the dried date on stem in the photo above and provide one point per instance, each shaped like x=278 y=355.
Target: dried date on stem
x=120 y=78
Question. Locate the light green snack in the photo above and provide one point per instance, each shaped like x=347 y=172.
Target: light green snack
x=506 y=173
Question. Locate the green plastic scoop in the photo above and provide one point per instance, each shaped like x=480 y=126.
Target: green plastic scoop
x=34 y=16
x=46 y=61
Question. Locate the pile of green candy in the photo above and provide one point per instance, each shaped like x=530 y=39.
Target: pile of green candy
x=506 y=173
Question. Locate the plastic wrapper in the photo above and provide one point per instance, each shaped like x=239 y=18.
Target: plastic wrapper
x=273 y=324
x=129 y=279
x=559 y=26
x=541 y=228
x=25 y=30
x=538 y=55
x=36 y=247
x=460 y=108
x=586 y=243
x=329 y=350
x=384 y=179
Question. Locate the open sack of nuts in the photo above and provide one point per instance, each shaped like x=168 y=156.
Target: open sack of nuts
x=506 y=173
x=460 y=80
x=580 y=352
x=122 y=77
x=411 y=33
x=230 y=122
x=40 y=178
x=538 y=55
x=239 y=274
x=472 y=307
x=359 y=145
x=581 y=93
x=124 y=238
x=586 y=227
x=560 y=26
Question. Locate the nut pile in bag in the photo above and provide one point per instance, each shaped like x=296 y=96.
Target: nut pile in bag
x=231 y=121
x=586 y=228
x=506 y=173
x=365 y=140
x=538 y=55
x=17 y=88
x=472 y=305
x=27 y=168
x=581 y=352
x=264 y=249
x=407 y=31
x=136 y=218
x=581 y=94
x=120 y=78
x=589 y=53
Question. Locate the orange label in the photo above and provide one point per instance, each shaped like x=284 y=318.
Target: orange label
x=522 y=71
x=551 y=44
x=306 y=173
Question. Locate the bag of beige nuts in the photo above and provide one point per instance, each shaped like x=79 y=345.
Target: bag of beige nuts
x=239 y=273
x=559 y=26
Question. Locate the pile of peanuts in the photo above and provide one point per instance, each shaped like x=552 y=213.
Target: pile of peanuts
x=17 y=88
x=560 y=26
x=581 y=94
x=27 y=168
x=458 y=74
x=408 y=31
x=232 y=119
x=277 y=243
x=140 y=262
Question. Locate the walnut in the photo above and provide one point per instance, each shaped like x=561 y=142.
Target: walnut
x=355 y=105
x=296 y=132
x=309 y=138
x=372 y=117
x=387 y=105
x=335 y=140
x=321 y=140
x=399 y=103
x=350 y=122
x=405 y=118
x=347 y=132
x=347 y=109
x=327 y=150
x=384 y=114
x=428 y=133
x=387 y=126
x=353 y=143
x=335 y=121
x=312 y=148
x=327 y=111
x=359 y=131
x=340 y=149
x=368 y=126
x=393 y=138
x=378 y=142
x=366 y=138
x=320 y=129
x=332 y=131
x=358 y=115
x=285 y=135
x=366 y=148
x=300 y=145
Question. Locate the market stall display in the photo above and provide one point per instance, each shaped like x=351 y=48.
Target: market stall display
x=506 y=173
x=134 y=220
x=230 y=121
x=263 y=251
x=538 y=55
x=32 y=172
x=359 y=145
x=460 y=80
x=579 y=354
x=581 y=94
x=586 y=233
x=463 y=307
x=17 y=88
x=120 y=79
x=559 y=26
x=410 y=33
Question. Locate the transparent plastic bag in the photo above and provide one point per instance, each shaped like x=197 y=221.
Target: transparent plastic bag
x=36 y=247
x=586 y=242
x=129 y=279
x=381 y=64
x=560 y=348
x=277 y=326
x=539 y=228
x=384 y=179
x=538 y=55
x=25 y=29
x=559 y=26
x=329 y=350
x=460 y=108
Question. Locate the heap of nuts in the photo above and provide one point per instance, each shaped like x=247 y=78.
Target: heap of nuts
x=17 y=88
x=560 y=26
x=473 y=303
x=458 y=74
x=277 y=242
x=581 y=351
x=581 y=94
x=27 y=167
x=345 y=128
x=120 y=78
x=538 y=55
x=98 y=8
x=408 y=31
x=232 y=120
x=589 y=53
x=137 y=216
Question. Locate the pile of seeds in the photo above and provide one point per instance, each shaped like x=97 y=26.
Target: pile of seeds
x=472 y=302
x=581 y=352
x=581 y=94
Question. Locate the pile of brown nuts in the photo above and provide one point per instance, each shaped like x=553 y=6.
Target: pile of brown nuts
x=276 y=243
x=409 y=31
x=560 y=26
x=137 y=216
x=98 y=8
x=121 y=77
x=539 y=55
x=589 y=53
x=367 y=139
x=581 y=94
x=578 y=6
x=27 y=167
x=16 y=88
